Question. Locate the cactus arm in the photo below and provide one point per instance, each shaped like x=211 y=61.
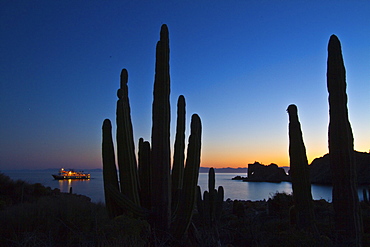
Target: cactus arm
x=200 y=203
x=144 y=173
x=125 y=144
x=207 y=207
x=212 y=193
x=345 y=199
x=191 y=173
x=109 y=170
x=219 y=202
x=211 y=179
x=179 y=153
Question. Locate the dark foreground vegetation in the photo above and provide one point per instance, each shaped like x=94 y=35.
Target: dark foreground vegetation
x=34 y=215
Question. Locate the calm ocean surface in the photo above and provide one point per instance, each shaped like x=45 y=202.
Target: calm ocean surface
x=93 y=188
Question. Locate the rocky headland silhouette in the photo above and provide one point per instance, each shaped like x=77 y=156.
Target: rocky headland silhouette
x=320 y=172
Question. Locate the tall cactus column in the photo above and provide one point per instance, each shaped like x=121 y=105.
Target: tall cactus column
x=125 y=144
x=184 y=215
x=345 y=199
x=109 y=169
x=300 y=174
x=145 y=173
x=160 y=154
x=179 y=153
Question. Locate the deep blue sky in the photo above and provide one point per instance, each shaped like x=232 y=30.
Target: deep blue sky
x=239 y=64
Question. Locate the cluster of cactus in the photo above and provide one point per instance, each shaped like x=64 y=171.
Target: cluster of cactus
x=210 y=207
x=300 y=174
x=143 y=187
x=342 y=163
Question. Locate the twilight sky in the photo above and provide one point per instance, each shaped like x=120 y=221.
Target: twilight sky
x=239 y=65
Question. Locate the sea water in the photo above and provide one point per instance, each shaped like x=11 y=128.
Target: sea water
x=234 y=189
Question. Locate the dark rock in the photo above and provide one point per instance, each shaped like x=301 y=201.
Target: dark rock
x=260 y=173
x=320 y=172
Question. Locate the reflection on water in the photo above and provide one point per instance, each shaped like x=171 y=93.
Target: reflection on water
x=65 y=185
x=236 y=189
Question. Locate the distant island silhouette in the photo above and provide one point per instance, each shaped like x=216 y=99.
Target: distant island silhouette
x=258 y=172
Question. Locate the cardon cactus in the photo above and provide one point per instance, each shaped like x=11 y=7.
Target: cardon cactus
x=186 y=200
x=300 y=174
x=145 y=173
x=210 y=208
x=179 y=154
x=109 y=170
x=345 y=199
x=145 y=190
x=125 y=144
x=160 y=154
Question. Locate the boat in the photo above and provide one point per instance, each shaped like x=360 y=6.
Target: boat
x=70 y=174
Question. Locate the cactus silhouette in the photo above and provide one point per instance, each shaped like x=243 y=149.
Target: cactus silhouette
x=345 y=199
x=300 y=174
x=179 y=154
x=145 y=190
x=125 y=143
x=160 y=155
x=145 y=173
x=183 y=216
x=109 y=170
x=210 y=208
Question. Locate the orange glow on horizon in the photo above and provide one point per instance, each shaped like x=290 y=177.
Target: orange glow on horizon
x=242 y=159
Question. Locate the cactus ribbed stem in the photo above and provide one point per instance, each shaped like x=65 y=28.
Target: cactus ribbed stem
x=219 y=202
x=109 y=170
x=179 y=153
x=191 y=172
x=211 y=179
x=200 y=204
x=300 y=174
x=145 y=173
x=345 y=199
x=125 y=144
x=160 y=155
x=212 y=193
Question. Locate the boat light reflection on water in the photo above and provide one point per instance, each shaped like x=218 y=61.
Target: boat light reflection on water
x=66 y=184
